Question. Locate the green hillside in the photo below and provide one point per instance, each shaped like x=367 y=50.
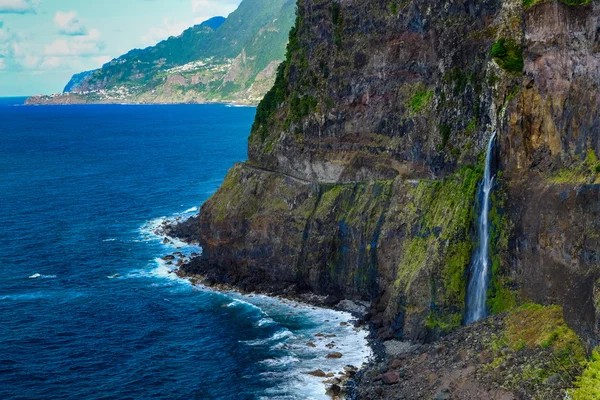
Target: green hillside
x=220 y=60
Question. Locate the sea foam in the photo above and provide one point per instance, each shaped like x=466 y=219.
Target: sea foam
x=293 y=325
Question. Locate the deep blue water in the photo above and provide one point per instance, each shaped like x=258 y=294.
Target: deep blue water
x=88 y=310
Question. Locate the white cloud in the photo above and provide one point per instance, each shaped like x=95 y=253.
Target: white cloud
x=30 y=61
x=7 y=38
x=76 y=53
x=202 y=10
x=206 y=9
x=2 y=63
x=101 y=60
x=17 y=6
x=87 y=45
x=51 y=62
x=167 y=29
x=69 y=24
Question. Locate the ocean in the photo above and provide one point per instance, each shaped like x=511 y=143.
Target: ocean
x=89 y=310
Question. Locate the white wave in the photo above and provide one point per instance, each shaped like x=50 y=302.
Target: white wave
x=265 y=322
x=280 y=362
x=39 y=276
x=282 y=334
x=279 y=335
x=110 y=240
x=239 y=300
x=295 y=385
x=115 y=276
x=233 y=105
x=26 y=296
x=300 y=324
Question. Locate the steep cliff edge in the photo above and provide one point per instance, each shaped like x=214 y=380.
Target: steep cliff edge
x=365 y=158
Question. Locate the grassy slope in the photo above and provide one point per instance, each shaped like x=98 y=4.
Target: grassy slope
x=258 y=27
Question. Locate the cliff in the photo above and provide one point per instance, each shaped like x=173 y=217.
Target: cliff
x=365 y=158
x=221 y=60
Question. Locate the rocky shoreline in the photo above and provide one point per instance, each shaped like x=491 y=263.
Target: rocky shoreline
x=344 y=384
x=497 y=358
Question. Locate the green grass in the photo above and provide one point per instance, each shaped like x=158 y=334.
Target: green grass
x=531 y=3
x=533 y=328
x=442 y=211
x=586 y=171
x=587 y=386
x=508 y=55
x=419 y=100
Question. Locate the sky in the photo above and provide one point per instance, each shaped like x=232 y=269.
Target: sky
x=44 y=42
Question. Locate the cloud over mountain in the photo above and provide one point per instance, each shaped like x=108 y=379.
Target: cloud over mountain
x=68 y=23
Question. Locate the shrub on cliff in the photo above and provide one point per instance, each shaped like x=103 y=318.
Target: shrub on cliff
x=588 y=384
x=508 y=55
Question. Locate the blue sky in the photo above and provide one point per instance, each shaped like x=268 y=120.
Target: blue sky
x=44 y=42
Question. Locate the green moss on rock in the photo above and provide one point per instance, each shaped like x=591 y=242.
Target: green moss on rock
x=545 y=348
x=508 y=54
x=438 y=220
x=500 y=296
x=587 y=386
x=585 y=171
x=536 y=325
x=531 y=3
x=420 y=99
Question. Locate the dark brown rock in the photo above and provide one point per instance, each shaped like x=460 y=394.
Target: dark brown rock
x=390 y=378
x=334 y=390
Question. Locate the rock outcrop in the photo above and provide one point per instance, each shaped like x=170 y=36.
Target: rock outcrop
x=365 y=157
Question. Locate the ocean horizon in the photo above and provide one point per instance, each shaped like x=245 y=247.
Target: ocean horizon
x=90 y=307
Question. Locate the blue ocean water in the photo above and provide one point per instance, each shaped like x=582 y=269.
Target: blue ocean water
x=88 y=309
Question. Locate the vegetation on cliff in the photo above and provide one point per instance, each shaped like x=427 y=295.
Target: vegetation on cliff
x=508 y=54
x=531 y=3
x=501 y=294
x=588 y=384
x=581 y=171
x=435 y=218
x=550 y=354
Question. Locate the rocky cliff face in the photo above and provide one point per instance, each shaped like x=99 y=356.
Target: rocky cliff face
x=549 y=148
x=365 y=159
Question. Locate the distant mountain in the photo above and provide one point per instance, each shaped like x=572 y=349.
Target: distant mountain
x=220 y=60
x=77 y=80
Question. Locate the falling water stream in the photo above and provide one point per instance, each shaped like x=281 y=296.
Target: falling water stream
x=480 y=264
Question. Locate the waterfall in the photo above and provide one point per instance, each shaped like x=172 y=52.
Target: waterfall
x=480 y=264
